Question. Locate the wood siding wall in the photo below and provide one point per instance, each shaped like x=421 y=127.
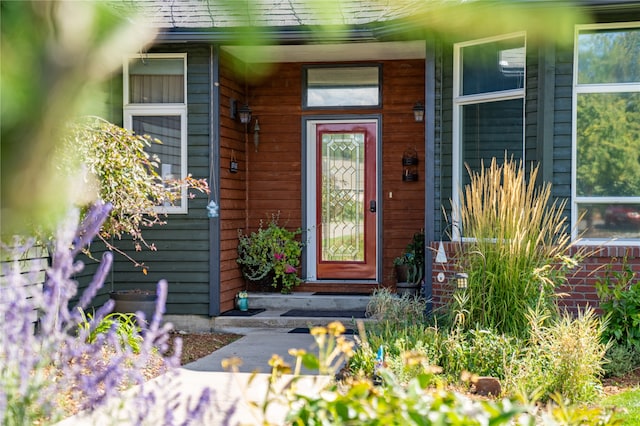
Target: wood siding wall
x=270 y=179
x=233 y=186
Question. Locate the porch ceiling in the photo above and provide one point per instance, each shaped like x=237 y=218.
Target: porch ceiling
x=350 y=52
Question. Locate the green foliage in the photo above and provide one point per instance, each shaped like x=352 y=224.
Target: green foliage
x=49 y=75
x=620 y=301
x=125 y=326
x=620 y=360
x=125 y=175
x=271 y=251
x=360 y=402
x=413 y=257
x=24 y=404
x=627 y=409
x=564 y=357
x=478 y=351
x=398 y=404
x=562 y=412
x=517 y=253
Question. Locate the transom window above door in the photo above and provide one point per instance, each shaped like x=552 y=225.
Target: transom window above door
x=350 y=86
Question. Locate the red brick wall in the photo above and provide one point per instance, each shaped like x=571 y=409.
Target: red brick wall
x=580 y=289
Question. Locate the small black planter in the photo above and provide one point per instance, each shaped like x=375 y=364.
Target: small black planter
x=412 y=289
x=132 y=301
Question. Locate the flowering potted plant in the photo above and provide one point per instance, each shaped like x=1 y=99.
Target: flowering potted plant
x=271 y=255
x=410 y=265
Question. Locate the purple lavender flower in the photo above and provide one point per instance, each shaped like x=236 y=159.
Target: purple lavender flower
x=38 y=364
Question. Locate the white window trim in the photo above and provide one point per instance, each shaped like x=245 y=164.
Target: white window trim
x=460 y=100
x=125 y=71
x=594 y=88
x=160 y=109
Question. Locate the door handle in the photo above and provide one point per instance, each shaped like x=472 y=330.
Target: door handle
x=372 y=206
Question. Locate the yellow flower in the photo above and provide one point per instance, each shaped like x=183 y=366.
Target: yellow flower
x=231 y=363
x=279 y=365
x=336 y=328
x=297 y=352
x=318 y=331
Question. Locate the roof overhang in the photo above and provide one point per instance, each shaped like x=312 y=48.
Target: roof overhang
x=339 y=52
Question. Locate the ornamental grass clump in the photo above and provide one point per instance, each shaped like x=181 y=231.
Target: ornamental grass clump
x=563 y=356
x=517 y=252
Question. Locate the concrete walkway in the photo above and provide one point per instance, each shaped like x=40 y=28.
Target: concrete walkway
x=255 y=349
x=231 y=393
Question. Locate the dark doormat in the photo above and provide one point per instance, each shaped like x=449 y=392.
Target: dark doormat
x=305 y=330
x=239 y=313
x=323 y=313
x=340 y=293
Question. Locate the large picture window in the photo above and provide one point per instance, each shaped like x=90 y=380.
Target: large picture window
x=606 y=178
x=488 y=96
x=155 y=105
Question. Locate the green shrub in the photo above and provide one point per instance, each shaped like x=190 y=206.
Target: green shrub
x=125 y=326
x=517 y=255
x=396 y=338
x=478 y=351
x=620 y=360
x=620 y=301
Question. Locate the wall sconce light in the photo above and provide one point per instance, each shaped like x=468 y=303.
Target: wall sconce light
x=243 y=113
x=461 y=280
x=418 y=112
x=256 y=134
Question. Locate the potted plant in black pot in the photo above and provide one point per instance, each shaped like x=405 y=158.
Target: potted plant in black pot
x=134 y=300
x=270 y=256
x=409 y=267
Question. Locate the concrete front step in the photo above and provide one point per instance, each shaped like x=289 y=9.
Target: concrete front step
x=270 y=319
x=276 y=304
x=307 y=300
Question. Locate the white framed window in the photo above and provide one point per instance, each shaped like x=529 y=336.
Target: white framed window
x=488 y=105
x=606 y=133
x=345 y=86
x=155 y=104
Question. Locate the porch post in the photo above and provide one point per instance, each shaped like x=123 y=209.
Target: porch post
x=430 y=164
x=214 y=178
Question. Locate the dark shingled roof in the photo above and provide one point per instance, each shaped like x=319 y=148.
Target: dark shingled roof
x=194 y=14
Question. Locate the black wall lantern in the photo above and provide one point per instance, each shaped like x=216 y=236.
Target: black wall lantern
x=418 y=112
x=243 y=113
x=410 y=165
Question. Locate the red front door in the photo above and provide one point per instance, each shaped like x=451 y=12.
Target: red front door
x=346 y=204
